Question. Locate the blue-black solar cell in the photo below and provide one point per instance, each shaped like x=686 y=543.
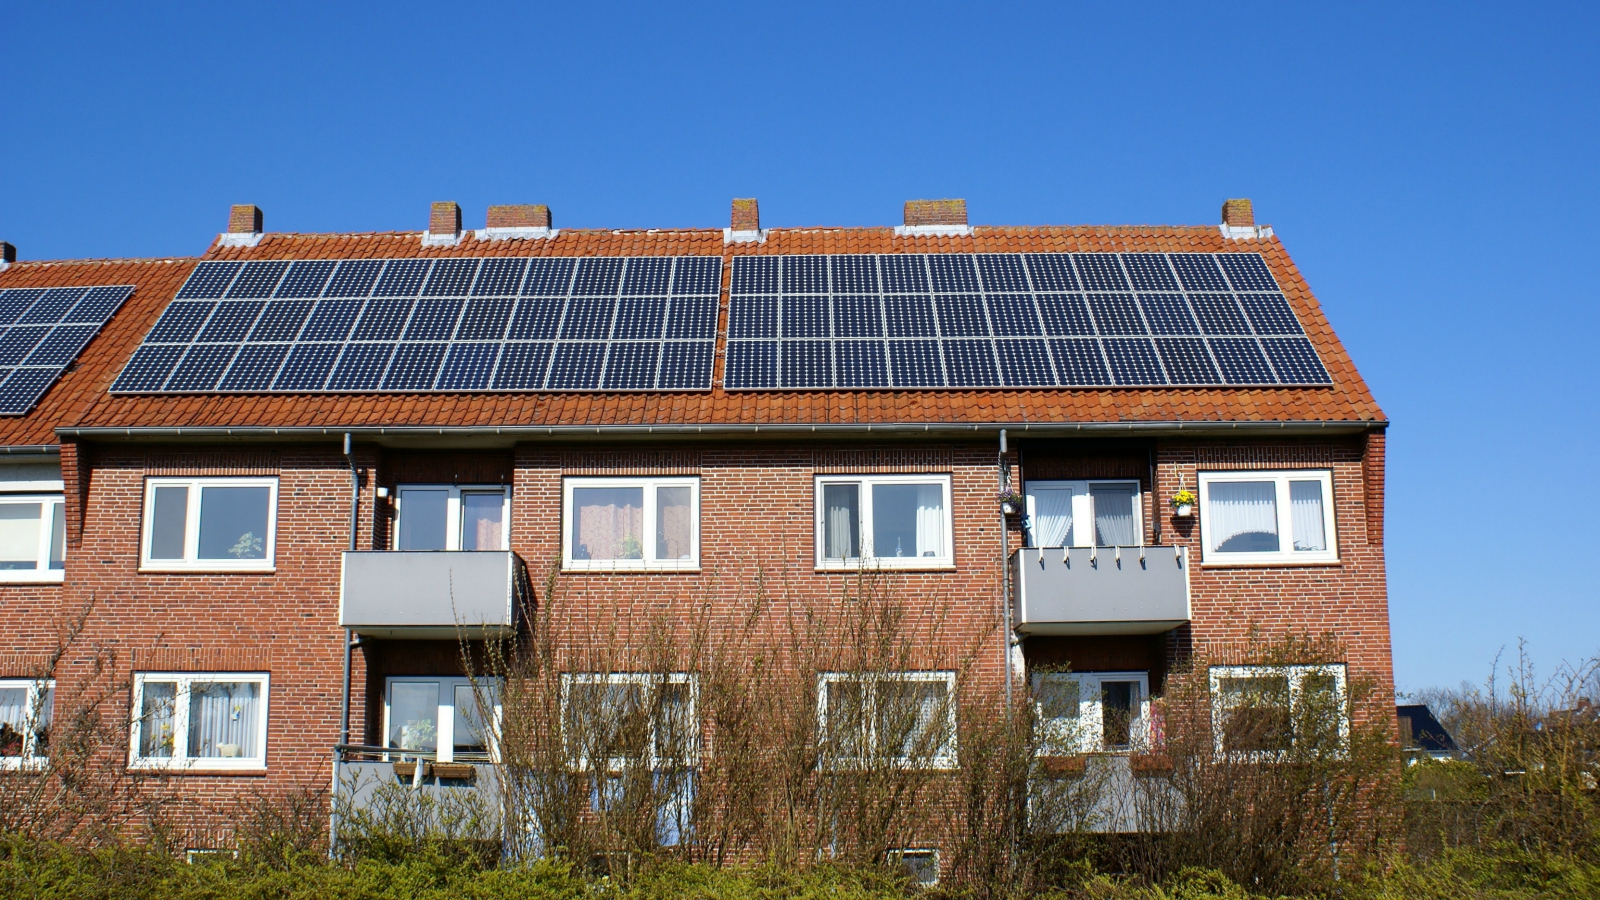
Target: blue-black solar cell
x=402 y=278
x=485 y=319
x=857 y=316
x=1247 y=271
x=24 y=388
x=1133 y=361
x=148 y=368
x=414 y=367
x=61 y=346
x=1168 y=314
x=14 y=303
x=499 y=277
x=1079 y=363
x=1198 y=272
x=1002 y=273
x=576 y=366
x=1241 y=361
x=180 y=321
x=468 y=367
x=354 y=278
x=99 y=305
x=1149 y=272
x=588 y=318
x=755 y=275
x=331 y=320
x=970 y=363
x=856 y=274
x=1187 y=361
x=549 y=277
x=804 y=275
x=953 y=273
x=752 y=316
x=209 y=280
x=53 y=306
x=1024 y=362
x=807 y=364
x=700 y=275
x=450 y=278
x=1013 y=315
x=915 y=364
x=1100 y=272
x=307 y=367
x=18 y=341
x=258 y=280
x=692 y=317
x=1218 y=314
x=903 y=274
x=522 y=366
x=305 y=279
x=253 y=368
x=360 y=367
x=536 y=319
x=231 y=322
x=1270 y=314
x=201 y=367
x=961 y=315
x=640 y=318
x=598 y=277
x=910 y=316
x=1064 y=314
x=382 y=320
x=631 y=366
x=805 y=317
x=861 y=364
x=1052 y=272
x=647 y=276
x=751 y=364
x=1296 y=361
x=434 y=320
x=1115 y=314
x=686 y=365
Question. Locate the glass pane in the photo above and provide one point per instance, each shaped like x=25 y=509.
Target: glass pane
x=47 y=717
x=168 y=522
x=1305 y=512
x=674 y=522
x=1058 y=705
x=1050 y=519
x=607 y=720
x=19 y=535
x=1113 y=515
x=907 y=520
x=13 y=720
x=223 y=719
x=483 y=520
x=1318 y=712
x=1256 y=713
x=841 y=521
x=847 y=719
x=233 y=522
x=1243 y=516
x=58 y=537
x=424 y=517
x=1119 y=706
x=608 y=523
x=156 y=724
x=912 y=718
x=470 y=734
x=675 y=726
x=414 y=715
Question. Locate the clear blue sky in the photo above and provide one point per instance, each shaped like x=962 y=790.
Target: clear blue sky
x=1432 y=169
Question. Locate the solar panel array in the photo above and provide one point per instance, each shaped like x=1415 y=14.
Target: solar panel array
x=1034 y=320
x=42 y=331
x=495 y=324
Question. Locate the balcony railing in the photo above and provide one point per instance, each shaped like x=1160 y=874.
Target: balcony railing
x=1099 y=590
x=432 y=593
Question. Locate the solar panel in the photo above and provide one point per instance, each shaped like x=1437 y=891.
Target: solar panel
x=456 y=324
x=42 y=331
x=997 y=320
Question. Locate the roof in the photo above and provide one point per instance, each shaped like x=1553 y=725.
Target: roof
x=1348 y=401
x=1426 y=732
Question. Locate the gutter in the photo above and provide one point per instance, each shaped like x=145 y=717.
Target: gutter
x=31 y=450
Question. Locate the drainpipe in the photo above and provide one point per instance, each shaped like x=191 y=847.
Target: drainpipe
x=1005 y=574
x=355 y=501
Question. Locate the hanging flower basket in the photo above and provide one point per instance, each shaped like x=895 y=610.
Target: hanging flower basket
x=1183 y=503
x=1011 y=503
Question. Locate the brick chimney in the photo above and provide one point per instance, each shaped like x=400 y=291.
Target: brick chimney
x=745 y=223
x=444 y=225
x=244 y=218
x=936 y=212
x=1238 y=214
x=520 y=216
x=8 y=255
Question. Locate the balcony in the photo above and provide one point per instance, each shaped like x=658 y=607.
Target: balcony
x=1099 y=590
x=415 y=785
x=432 y=593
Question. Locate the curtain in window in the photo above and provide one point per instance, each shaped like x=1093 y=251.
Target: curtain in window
x=156 y=725
x=13 y=720
x=930 y=520
x=674 y=522
x=609 y=523
x=841 y=524
x=1113 y=516
x=19 y=535
x=47 y=717
x=1051 y=519
x=1305 y=515
x=1243 y=516
x=223 y=718
x=482 y=525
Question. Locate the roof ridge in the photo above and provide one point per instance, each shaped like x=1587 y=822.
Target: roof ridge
x=108 y=261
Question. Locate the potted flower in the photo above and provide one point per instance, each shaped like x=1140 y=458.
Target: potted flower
x=1183 y=503
x=1011 y=502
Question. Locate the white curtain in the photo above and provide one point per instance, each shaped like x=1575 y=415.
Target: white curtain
x=1051 y=516
x=841 y=504
x=13 y=720
x=481 y=525
x=1113 y=516
x=1243 y=516
x=223 y=716
x=1305 y=512
x=930 y=520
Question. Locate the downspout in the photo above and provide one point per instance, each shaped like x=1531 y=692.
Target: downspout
x=1155 y=497
x=1005 y=573
x=355 y=501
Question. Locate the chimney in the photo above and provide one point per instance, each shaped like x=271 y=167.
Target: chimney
x=521 y=216
x=244 y=218
x=1238 y=214
x=444 y=225
x=745 y=224
x=8 y=255
x=946 y=217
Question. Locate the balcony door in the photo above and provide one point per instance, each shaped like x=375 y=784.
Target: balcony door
x=442 y=717
x=451 y=517
x=1084 y=514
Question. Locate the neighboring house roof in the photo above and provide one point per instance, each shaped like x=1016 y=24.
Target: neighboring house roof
x=1347 y=402
x=1420 y=730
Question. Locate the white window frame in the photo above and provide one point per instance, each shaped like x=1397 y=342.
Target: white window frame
x=864 y=484
x=30 y=758
x=899 y=857
x=445 y=740
x=1297 y=675
x=1083 y=507
x=651 y=680
x=53 y=507
x=1286 y=555
x=946 y=758
x=180 y=758
x=452 y=522
x=1091 y=713
x=648 y=561
x=191 y=526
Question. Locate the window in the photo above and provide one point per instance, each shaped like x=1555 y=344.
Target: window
x=1271 y=711
x=884 y=520
x=209 y=523
x=442 y=717
x=1092 y=712
x=1267 y=517
x=631 y=523
x=448 y=517
x=199 y=721
x=1084 y=514
x=628 y=718
x=26 y=709
x=33 y=537
x=921 y=866
x=899 y=718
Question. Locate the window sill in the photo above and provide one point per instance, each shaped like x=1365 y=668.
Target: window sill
x=54 y=576
x=190 y=769
x=1273 y=564
x=204 y=570
x=884 y=566
x=569 y=568
x=17 y=764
